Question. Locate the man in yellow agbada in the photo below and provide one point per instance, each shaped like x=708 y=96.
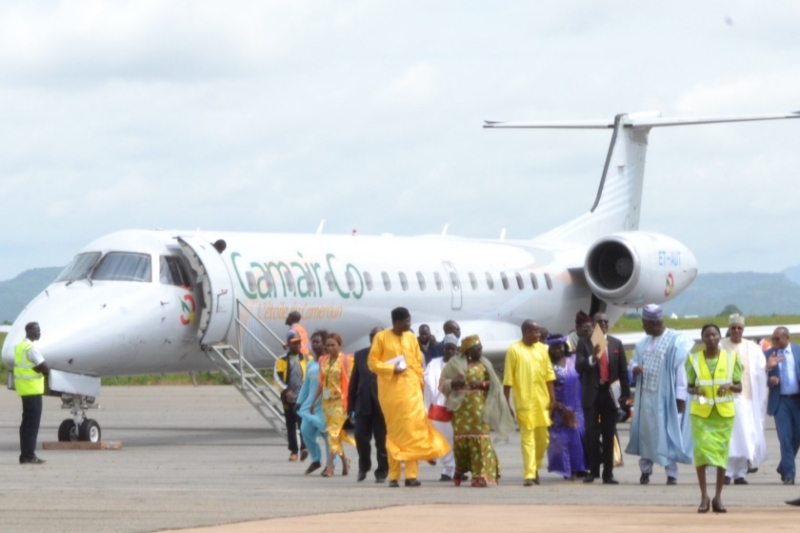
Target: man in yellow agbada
x=529 y=374
x=396 y=359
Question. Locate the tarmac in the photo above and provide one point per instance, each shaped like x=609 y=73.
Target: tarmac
x=202 y=456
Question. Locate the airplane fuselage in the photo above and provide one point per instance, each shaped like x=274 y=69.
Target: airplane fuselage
x=344 y=284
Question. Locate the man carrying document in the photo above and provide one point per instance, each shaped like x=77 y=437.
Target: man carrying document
x=396 y=360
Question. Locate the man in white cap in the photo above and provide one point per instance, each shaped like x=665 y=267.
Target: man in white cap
x=660 y=431
x=435 y=402
x=747 y=442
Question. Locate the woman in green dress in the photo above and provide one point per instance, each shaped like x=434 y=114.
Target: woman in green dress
x=475 y=399
x=713 y=375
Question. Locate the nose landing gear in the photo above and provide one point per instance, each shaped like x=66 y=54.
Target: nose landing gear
x=78 y=428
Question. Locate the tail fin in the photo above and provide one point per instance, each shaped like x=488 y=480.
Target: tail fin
x=619 y=196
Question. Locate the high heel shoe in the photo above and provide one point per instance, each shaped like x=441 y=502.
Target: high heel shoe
x=704 y=505
x=717 y=507
x=328 y=472
x=345 y=467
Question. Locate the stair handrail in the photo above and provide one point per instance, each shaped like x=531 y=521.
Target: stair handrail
x=240 y=305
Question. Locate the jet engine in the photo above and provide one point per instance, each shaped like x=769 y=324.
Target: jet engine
x=632 y=269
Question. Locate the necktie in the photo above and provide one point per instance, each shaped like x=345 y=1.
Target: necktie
x=604 y=366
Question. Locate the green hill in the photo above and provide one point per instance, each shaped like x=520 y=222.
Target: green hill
x=16 y=293
x=753 y=293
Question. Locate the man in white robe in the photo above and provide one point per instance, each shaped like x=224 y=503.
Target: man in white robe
x=433 y=396
x=747 y=442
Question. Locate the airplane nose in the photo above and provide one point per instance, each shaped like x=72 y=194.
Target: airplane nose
x=87 y=328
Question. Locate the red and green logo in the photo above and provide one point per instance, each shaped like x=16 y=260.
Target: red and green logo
x=188 y=309
x=670 y=285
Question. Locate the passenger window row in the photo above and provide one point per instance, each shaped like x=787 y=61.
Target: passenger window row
x=518 y=280
x=437 y=278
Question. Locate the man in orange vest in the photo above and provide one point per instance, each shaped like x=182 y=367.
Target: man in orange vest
x=293 y=321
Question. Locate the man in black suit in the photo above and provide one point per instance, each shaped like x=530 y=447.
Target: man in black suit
x=362 y=399
x=599 y=369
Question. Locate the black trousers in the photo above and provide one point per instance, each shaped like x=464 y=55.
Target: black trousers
x=293 y=421
x=29 y=429
x=601 y=421
x=367 y=427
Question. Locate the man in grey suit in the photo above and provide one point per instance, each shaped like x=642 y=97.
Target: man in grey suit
x=783 y=371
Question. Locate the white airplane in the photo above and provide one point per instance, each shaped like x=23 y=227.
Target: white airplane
x=144 y=302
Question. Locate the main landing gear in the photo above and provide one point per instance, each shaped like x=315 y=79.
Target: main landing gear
x=78 y=428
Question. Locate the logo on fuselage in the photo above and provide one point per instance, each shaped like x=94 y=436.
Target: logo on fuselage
x=188 y=309
x=670 y=284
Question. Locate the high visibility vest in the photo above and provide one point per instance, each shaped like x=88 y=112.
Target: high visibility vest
x=709 y=385
x=27 y=381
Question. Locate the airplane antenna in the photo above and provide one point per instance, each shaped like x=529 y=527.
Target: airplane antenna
x=444 y=231
x=503 y=234
x=321 y=225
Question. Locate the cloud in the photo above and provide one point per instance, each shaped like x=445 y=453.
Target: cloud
x=418 y=86
x=269 y=116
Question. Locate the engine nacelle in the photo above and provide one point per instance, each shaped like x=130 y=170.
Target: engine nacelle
x=632 y=269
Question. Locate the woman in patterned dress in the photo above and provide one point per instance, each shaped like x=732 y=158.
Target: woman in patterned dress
x=475 y=398
x=712 y=410
x=565 y=453
x=334 y=379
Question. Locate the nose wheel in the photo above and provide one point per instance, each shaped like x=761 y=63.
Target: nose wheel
x=78 y=428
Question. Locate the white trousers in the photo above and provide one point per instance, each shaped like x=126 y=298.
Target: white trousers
x=646 y=466
x=449 y=460
x=737 y=467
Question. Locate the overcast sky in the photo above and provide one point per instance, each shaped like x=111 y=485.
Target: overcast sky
x=270 y=116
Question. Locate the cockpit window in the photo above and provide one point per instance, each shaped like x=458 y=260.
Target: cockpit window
x=79 y=267
x=123 y=266
x=173 y=272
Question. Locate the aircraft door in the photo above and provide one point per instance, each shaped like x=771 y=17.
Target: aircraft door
x=218 y=295
x=455 y=285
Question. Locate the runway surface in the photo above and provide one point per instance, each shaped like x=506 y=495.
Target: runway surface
x=202 y=456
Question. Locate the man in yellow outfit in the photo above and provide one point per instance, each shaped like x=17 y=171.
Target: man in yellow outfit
x=396 y=360
x=529 y=373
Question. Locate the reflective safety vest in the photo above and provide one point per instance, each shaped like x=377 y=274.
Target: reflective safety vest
x=27 y=381
x=723 y=375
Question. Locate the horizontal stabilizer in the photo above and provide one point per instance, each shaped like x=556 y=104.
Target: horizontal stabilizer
x=633 y=120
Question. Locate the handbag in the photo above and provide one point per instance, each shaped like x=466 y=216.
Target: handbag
x=439 y=413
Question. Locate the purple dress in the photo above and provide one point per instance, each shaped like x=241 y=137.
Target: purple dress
x=565 y=454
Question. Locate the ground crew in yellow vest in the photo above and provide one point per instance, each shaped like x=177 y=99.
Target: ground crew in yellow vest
x=713 y=376
x=289 y=373
x=29 y=371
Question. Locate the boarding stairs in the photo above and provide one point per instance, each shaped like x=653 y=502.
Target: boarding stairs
x=233 y=363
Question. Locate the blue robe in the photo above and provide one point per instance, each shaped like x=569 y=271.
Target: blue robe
x=673 y=440
x=313 y=426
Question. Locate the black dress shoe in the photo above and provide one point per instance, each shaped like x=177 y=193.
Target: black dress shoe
x=645 y=479
x=445 y=477
x=672 y=480
x=780 y=471
x=796 y=502
x=394 y=483
x=380 y=480
x=610 y=481
x=361 y=475
x=787 y=481
x=536 y=480
x=413 y=483
x=528 y=483
x=313 y=466
x=740 y=481
x=588 y=479
x=36 y=461
x=727 y=480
